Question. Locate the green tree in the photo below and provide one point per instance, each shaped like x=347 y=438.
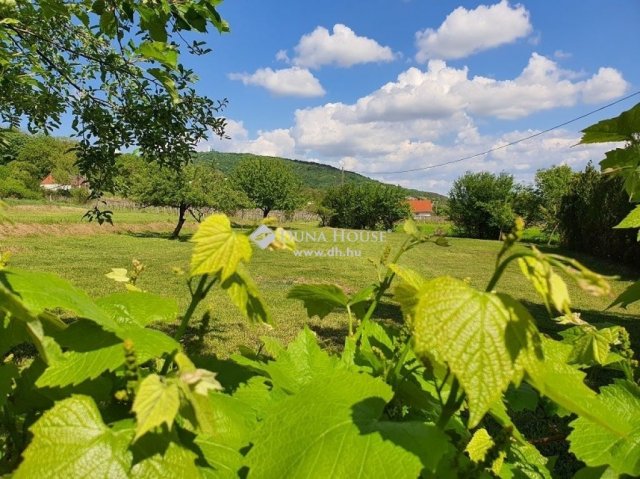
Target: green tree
x=190 y=189
x=269 y=184
x=551 y=185
x=19 y=180
x=481 y=204
x=364 y=206
x=588 y=213
x=114 y=67
x=50 y=155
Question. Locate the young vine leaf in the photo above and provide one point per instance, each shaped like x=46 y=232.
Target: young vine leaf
x=486 y=339
x=157 y=402
x=218 y=249
x=598 y=446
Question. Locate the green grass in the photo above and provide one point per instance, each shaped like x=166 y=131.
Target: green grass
x=31 y=214
x=84 y=260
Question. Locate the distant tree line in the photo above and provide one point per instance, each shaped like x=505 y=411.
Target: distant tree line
x=579 y=208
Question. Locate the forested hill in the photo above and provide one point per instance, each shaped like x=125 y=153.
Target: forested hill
x=313 y=175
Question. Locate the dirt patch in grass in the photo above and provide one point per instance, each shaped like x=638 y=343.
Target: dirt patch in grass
x=83 y=229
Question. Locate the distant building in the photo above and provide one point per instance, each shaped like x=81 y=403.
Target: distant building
x=50 y=184
x=420 y=208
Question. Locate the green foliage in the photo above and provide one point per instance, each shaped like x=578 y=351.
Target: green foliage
x=107 y=396
x=115 y=68
x=596 y=445
x=486 y=339
x=481 y=204
x=316 y=178
x=594 y=205
x=190 y=189
x=270 y=184
x=366 y=206
x=551 y=185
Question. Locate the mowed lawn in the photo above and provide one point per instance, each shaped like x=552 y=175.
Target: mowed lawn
x=85 y=257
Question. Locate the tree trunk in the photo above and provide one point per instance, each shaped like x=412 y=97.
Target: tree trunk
x=265 y=212
x=182 y=209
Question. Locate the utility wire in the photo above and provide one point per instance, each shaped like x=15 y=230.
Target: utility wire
x=515 y=142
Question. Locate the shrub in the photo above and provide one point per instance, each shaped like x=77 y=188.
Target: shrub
x=366 y=206
x=594 y=205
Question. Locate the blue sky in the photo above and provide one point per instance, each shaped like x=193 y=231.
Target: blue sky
x=388 y=85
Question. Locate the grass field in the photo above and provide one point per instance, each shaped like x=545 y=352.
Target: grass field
x=84 y=257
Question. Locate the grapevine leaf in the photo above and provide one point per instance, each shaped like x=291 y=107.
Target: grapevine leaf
x=524 y=460
x=195 y=387
x=300 y=363
x=407 y=291
x=486 y=339
x=590 y=345
x=598 y=446
x=410 y=228
x=119 y=275
x=20 y=325
x=149 y=343
x=175 y=462
x=139 y=308
x=218 y=249
x=244 y=293
x=71 y=440
x=43 y=291
x=551 y=287
x=564 y=385
x=157 y=402
x=628 y=296
x=625 y=163
x=479 y=445
x=632 y=220
x=319 y=299
x=340 y=436
x=92 y=351
x=620 y=128
x=235 y=423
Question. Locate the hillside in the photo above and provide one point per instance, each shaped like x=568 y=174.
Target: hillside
x=313 y=175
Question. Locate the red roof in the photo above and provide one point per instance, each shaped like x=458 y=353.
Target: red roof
x=49 y=180
x=421 y=206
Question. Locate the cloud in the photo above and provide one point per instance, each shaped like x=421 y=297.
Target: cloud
x=428 y=117
x=342 y=48
x=293 y=81
x=441 y=91
x=276 y=142
x=465 y=32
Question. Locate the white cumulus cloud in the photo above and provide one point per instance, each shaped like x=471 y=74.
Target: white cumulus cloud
x=465 y=32
x=293 y=81
x=342 y=47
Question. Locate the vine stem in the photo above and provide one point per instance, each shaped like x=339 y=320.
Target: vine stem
x=386 y=281
x=452 y=405
x=398 y=367
x=196 y=297
x=500 y=269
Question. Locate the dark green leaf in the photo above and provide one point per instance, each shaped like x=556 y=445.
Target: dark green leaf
x=319 y=299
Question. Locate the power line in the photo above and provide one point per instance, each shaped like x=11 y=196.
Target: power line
x=515 y=142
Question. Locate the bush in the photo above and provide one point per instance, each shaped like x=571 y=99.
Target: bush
x=80 y=195
x=481 y=204
x=594 y=205
x=366 y=206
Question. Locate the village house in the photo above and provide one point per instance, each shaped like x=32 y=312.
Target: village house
x=420 y=208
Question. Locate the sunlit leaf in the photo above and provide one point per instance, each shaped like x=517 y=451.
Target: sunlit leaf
x=486 y=339
x=218 y=249
x=157 y=402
